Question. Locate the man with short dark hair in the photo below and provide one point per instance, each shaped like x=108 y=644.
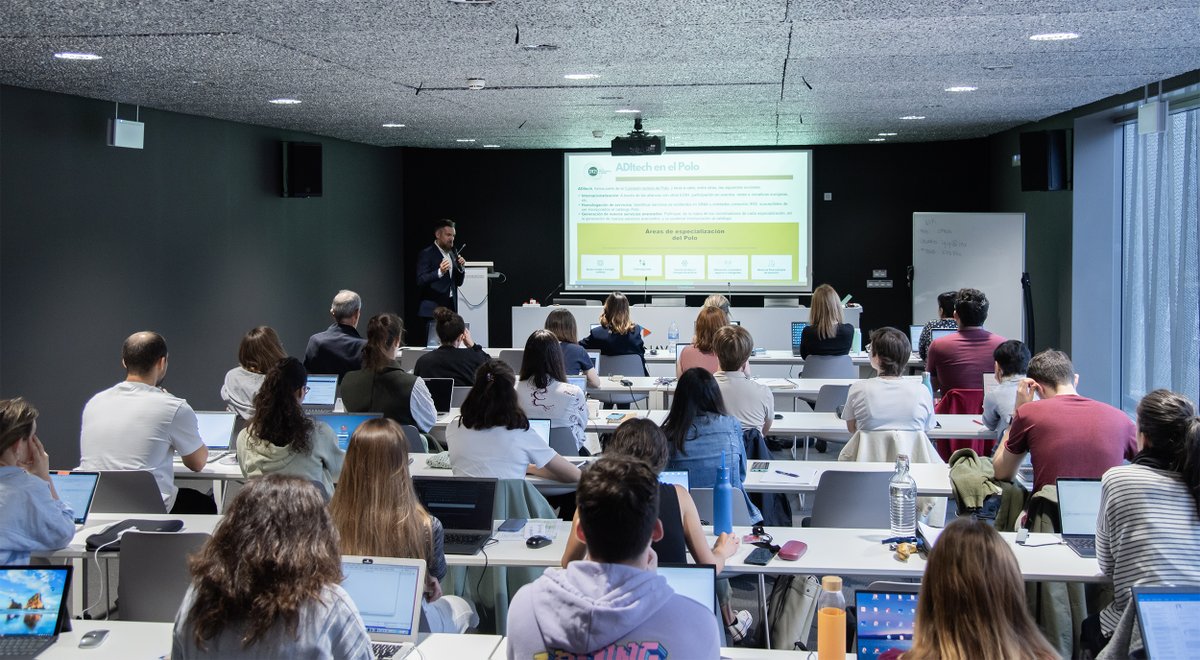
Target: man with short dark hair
x=1066 y=435
x=959 y=361
x=338 y=349
x=1011 y=359
x=613 y=604
x=137 y=425
x=439 y=273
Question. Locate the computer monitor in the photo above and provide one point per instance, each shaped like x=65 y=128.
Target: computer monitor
x=884 y=622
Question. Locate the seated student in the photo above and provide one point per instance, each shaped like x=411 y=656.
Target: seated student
x=31 y=515
x=377 y=514
x=458 y=357
x=700 y=353
x=617 y=334
x=259 y=350
x=944 y=321
x=1012 y=360
x=826 y=333
x=889 y=402
x=543 y=390
x=958 y=361
x=720 y=302
x=613 y=603
x=281 y=439
x=1149 y=526
x=701 y=433
x=1065 y=434
x=491 y=437
x=748 y=400
x=381 y=385
x=575 y=357
x=972 y=601
x=682 y=531
x=267 y=584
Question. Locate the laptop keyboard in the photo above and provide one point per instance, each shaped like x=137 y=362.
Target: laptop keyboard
x=463 y=539
x=1083 y=544
x=387 y=651
x=25 y=646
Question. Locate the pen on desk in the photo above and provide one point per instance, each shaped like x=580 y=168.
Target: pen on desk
x=787 y=474
x=977 y=422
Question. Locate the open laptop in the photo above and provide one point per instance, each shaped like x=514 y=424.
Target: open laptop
x=914 y=337
x=216 y=430
x=442 y=391
x=1078 y=507
x=322 y=393
x=578 y=381
x=343 y=424
x=797 y=332
x=694 y=581
x=679 y=346
x=938 y=333
x=679 y=477
x=39 y=594
x=76 y=490
x=884 y=622
x=387 y=592
x=595 y=356
x=1167 y=617
x=464 y=505
x=542 y=427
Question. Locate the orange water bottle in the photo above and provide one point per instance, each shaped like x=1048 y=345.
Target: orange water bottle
x=831 y=620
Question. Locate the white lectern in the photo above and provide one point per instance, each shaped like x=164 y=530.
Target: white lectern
x=473 y=299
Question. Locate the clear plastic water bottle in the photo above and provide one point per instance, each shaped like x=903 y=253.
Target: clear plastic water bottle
x=902 y=494
x=672 y=337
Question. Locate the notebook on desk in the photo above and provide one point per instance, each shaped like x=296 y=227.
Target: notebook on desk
x=344 y=424
x=1078 y=507
x=322 y=393
x=464 y=505
x=36 y=610
x=884 y=623
x=388 y=593
x=1167 y=617
x=76 y=489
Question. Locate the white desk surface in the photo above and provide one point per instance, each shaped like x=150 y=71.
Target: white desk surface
x=825 y=424
x=730 y=652
x=771 y=356
x=782 y=386
x=98 y=521
x=444 y=646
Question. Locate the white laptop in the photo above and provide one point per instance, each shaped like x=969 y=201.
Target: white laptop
x=322 y=393
x=387 y=592
x=542 y=426
x=216 y=430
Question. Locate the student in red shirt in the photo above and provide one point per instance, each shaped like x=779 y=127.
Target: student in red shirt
x=960 y=360
x=1068 y=435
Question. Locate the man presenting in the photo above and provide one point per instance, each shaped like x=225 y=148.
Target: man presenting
x=137 y=425
x=439 y=273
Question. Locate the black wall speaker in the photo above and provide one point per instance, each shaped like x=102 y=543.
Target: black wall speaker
x=1044 y=163
x=301 y=169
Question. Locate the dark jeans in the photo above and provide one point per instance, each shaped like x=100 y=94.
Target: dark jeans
x=193 y=501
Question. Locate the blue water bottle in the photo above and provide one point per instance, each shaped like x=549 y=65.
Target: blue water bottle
x=722 y=501
x=928 y=383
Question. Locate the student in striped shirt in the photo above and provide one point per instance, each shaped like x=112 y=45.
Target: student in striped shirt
x=1149 y=524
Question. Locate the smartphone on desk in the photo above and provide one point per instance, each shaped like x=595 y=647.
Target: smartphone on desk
x=615 y=417
x=512 y=525
x=760 y=557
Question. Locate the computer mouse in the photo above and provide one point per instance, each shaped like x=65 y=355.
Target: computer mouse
x=92 y=638
x=538 y=541
x=778 y=416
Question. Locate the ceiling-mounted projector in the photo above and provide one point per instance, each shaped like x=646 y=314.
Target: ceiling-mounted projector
x=639 y=142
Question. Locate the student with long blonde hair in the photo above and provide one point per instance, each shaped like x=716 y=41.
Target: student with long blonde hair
x=826 y=332
x=617 y=334
x=972 y=601
x=377 y=514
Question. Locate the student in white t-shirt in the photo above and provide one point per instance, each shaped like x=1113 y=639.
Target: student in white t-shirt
x=889 y=402
x=491 y=437
x=543 y=390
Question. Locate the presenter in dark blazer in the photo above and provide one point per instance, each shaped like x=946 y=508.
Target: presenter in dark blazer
x=617 y=334
x=439 y=272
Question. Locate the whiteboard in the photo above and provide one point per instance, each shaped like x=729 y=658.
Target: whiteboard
x=984 y=251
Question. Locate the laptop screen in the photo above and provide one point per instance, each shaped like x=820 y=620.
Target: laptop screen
x=76 y=489
x=679 y=348
x=914 y=336
x=885 y=622
x=542 y=426
x=35 y=596
x=386 y=594
x=695 y=581
x=943 y=332
x=460 y=503
x=216 y=428
x=578 y=381
x=1168 y=618
x=595 y=356
x=1078 y=505
x=679 y=477
x=797 y=332
x=442 y=391
x=322 y=390
x=344 y=424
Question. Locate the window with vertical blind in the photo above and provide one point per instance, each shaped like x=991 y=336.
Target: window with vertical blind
x=1160 y=290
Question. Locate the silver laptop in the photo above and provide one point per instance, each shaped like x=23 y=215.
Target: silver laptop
x=1078 y=507
x=464 y=505
x=694 y=581
x=914 y=337
x=938 y=333
x=322 y=393
x=1167 y=617
x=578 y=381
x=36 y=608
x=76 y=489
x=678 y=477
x=542 y=427
x=679 y=346
x=216 y=430
x=388 y=593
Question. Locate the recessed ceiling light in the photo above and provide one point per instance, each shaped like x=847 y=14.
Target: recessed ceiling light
x=83 y=57
x=581 y=76
x=875 y=139
x=886 y=134
x=997 y=67
x=911 y=117
x=539 y=47
x=285 y=101
x=628 y=111
x=464 y=139
x=655 y=130
x=961 y=88
x=491 y=146
x=393 y=125
x=1054 y=36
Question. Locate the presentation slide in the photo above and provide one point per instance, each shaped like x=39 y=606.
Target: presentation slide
x=713 y=221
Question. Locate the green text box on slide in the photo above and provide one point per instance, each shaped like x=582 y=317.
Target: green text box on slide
x=736 y=238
